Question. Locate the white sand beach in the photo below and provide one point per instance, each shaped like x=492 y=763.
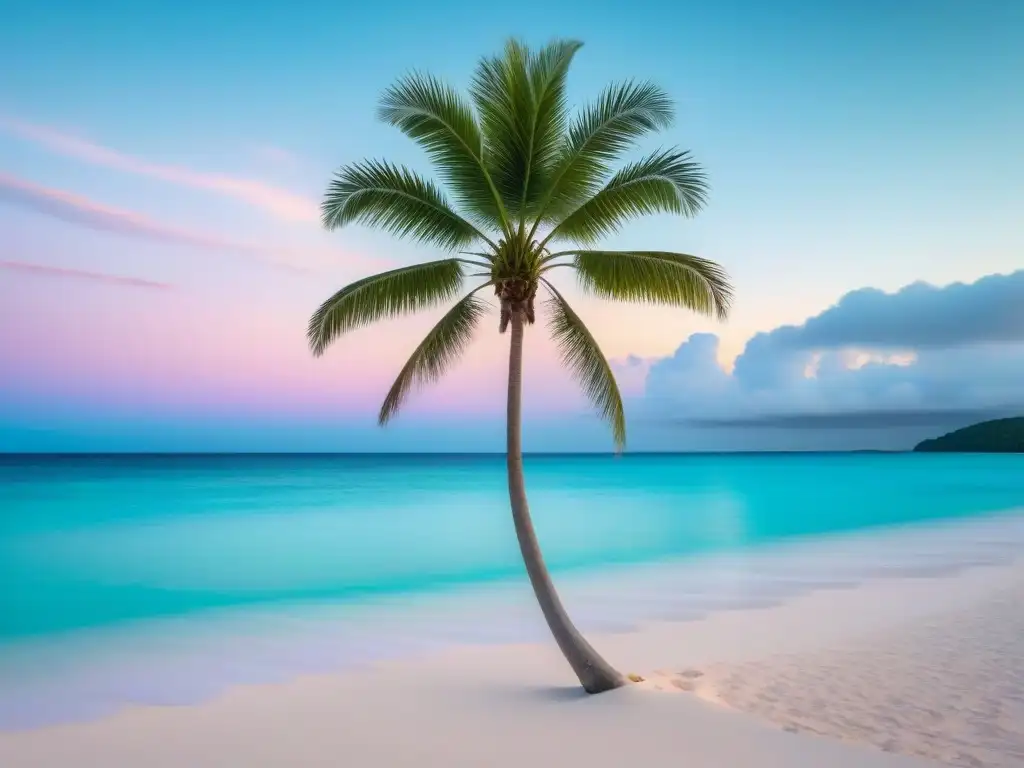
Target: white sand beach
x=926 y=667
x=949 y=687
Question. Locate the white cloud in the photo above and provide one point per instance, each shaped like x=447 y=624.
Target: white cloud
x=942 y=353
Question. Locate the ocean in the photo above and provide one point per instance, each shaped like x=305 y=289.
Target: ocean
x=165 y=579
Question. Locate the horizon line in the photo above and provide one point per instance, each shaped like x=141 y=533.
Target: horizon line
x=409 y=454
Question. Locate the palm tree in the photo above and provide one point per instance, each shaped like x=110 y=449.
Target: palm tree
x=525 y=176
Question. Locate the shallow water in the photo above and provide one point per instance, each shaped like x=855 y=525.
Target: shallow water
x=164 y=579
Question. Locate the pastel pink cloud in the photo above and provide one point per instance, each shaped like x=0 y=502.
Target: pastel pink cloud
x=43 y=270
x=83 y=211
x=282 y=203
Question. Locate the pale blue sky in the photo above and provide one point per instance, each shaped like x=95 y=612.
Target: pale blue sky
x=848 y=145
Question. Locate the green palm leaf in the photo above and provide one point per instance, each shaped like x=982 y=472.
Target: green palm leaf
x=388 y=294
x=436 y=117
x=583 y=358
x=396 y=200
x=441 y=348
x=520 y=97
x=656 y=277
x=665 y=182
x=622 y=114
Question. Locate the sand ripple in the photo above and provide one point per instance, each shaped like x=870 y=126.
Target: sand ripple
x=951 y=690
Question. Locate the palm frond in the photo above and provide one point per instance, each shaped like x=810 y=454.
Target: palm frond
x=388 y=294
x=549 y=70
x=520 y=97
x=397 y=200
x=435 y=355
x=656 y=277
x=434 y=115
x=669 y=181
x=584 y=359
x=622 y=114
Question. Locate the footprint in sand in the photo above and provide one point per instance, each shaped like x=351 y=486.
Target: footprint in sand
x=687 y=680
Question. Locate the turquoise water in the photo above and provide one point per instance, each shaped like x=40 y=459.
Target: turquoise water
x=164 y=553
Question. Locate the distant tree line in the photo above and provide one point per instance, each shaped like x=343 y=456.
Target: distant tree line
x=996 y=436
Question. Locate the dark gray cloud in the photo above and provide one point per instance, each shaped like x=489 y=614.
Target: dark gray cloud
x=874 y=361
x=952 y=419
x=918 y=316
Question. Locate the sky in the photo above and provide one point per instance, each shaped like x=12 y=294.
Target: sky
x=162 y=163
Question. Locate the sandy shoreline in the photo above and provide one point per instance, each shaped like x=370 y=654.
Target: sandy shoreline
x=854 y=649
x=949 y=688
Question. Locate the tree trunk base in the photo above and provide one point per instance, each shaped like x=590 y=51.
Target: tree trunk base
x=603 y=683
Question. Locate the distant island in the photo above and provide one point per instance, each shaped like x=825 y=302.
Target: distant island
x=996 y=436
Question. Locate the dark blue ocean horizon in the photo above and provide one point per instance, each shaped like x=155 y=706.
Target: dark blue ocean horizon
x=415 y=454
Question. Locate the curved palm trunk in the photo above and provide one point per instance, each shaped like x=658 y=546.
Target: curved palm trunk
x=595 y=674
